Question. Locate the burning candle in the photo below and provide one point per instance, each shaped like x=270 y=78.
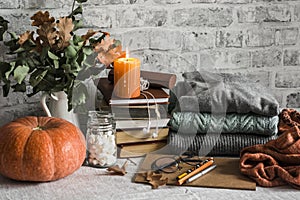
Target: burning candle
x=127 y=77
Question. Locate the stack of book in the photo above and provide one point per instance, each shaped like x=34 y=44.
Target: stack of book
x=138 y=118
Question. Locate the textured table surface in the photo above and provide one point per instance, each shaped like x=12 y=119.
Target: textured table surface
x=93 y=183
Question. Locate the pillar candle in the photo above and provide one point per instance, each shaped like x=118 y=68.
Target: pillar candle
x=127 y=77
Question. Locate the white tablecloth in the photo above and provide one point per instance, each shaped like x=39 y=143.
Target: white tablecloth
x=94 y=183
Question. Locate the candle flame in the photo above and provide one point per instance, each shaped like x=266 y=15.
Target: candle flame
x=127 y=53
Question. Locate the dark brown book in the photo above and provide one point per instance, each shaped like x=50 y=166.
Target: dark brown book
x=106 y=88
x=159 y=79
x=134 y=111
x=156 y=79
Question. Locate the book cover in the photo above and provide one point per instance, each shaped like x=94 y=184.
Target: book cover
x=106 y=88
x=156 y=79
x=137 y=150
x=138 y=136
x=141 y=123
x=159 y=79
x=135 y=111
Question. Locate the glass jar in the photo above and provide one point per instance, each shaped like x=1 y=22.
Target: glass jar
x=100 y=137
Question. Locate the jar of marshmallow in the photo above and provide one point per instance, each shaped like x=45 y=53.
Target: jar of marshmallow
x=100 y=137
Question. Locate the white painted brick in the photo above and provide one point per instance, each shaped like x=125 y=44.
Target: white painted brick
x=291 y=57
x=267 y=13
x=198 y=40
x=297 y=13
x=288 y=79
x=115 y=2
x=293 y=100
x=234 y=1
x=99 y=17
x=198 y=16
x=203 y=1
x=260 y=37
x=19 y=22
x=165 y=39
x=141 y=16
x=136 y=39
x=225 y=60
x=9 y=4
x=267 y=58
x=168 y=1
x=286 y=36
x=226 y=38
x=172 y=62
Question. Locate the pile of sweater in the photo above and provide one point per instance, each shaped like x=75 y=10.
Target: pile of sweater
x=218 y=114
x=278 y=161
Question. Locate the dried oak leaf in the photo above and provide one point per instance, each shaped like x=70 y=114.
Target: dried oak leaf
x=40 y=18
x=118 y=170
x=107 y=57
x=28 y=35
x=47 y=34
x=155 y=179
x=88 y=35
x=104 y=45
x=65 y=26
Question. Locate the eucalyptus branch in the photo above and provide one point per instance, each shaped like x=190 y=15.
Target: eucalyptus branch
x=73 y=6
x=58 y=65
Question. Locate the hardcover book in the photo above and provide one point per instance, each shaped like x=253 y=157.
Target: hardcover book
x=159 y=79
x=141 y=123
x=141 y=149
x=138 y=136
x=134 y=111
x=106 y=88
x=156 y=79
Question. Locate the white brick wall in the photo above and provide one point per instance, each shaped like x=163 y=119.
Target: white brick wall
x=257 y=37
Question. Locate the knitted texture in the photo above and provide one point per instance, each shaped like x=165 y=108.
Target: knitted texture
x=278 y=161
x=191 y=122
x=222 y=93
x=214 y=144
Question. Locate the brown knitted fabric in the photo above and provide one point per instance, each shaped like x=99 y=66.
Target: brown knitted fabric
x=278 y=161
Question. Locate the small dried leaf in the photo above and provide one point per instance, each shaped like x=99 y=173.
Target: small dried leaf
x=65 y=27
x=25 y=36
x=108 y=57
x=117 y=170
x=155 y=179
x=89 y=34
x=40 y=18
x=47 y=34
x=104 y=45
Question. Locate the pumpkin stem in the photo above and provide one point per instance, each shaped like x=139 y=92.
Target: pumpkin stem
x=38 y=128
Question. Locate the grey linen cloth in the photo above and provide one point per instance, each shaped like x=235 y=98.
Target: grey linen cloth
x=221 y=93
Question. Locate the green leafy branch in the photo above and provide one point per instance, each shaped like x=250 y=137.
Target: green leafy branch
x=53 y=57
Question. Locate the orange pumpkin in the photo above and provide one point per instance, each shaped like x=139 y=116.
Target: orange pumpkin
x=40 y=149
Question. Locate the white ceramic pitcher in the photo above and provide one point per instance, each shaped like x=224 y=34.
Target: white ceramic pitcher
x=58 y=107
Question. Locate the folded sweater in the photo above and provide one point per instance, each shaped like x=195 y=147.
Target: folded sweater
x=278 y=161
x=191 y=123
x=204 y=91
x=213 y=144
